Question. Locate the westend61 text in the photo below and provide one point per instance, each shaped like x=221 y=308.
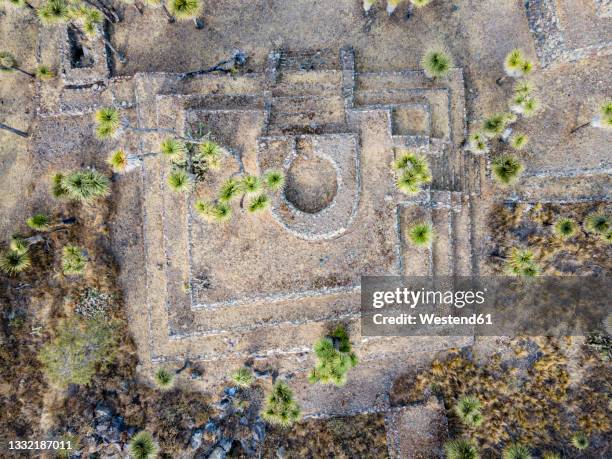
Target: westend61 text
x=432 y=319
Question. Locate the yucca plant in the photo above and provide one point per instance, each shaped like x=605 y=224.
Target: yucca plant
x=516 y=451
x=437 y=63
x=604 y=118
x=117 y=160
x=519 y=141
x=495 y=125
x=218 y=213
x=507 y=169
x=18 y=244
x=38 y=222
x=164 y=379
x=259 y=203
x=280 y=407
x=186 y=10
x=108 y=122
x=179 y=181
x=521 y=262
x=229 y=190
x=243 y=377
x=173 y=148
x=421 y=234
x=477 y=143
x=8 y=63
x=54 y=12
x=44 y=72
x=274 y=180
x=250 y=184
x=524 y=105
x=13 y=263
x=461 y=449
x=83 y=185
x=210 y=148
x=565 y=228
x=142 y=446
x=516 y=65
x=468 y=411
x=91 y=21
x=391 y=6
x=551 y=455
x=414 y=172
x=74 y=260
x=523 y=88
x=597 y=223
x=607 y=237
x=334 y=358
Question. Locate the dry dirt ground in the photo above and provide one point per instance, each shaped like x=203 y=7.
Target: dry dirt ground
x=477 y=33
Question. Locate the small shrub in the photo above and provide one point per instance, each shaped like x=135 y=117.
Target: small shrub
x=468 y=410
x=179 y=181
x=523 y=88
x=250 y=184
x=38 y=222
x=515 y=64
x=173 y=148
x=13 y=263
x=437 y=63
x=185 y=9
x=521 y=262
x=73 y=260
x=580 y=441
x=92 y=303
x=461 y=449
x=519 y=141
x=565 y=228
x=421 y=234
x=516 y=451
x=44 y=72
x=551 y=455
x=507 y=169
x=219 y=213
x=57 y=189
x=414 y=172
x=243 y=377
x=477 y=143
x=229 y=190
x=18 y=245
x=82 y=185
x=604 y=118
x=259 y=203
x=280 y=408
x=335 y=358
x=597 y=223
x=108 y=122
x=164 y=379
x=274 y=180
x=53 y=12
x=142 y=446
x=495 y=125
x=118 y=161
x=79 y=349
x=209 y=149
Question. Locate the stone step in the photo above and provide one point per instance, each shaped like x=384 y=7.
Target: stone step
x=462 y=233
x=220 y=101
x=308 y=60
x=304 y=123
x=379 y=81
x=316 y=83
x=210 y=84
x=332 y=105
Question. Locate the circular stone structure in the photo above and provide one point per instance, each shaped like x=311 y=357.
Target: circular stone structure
x=311 y=183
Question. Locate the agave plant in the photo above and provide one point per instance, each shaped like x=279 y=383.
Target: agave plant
x=229 y=190
x=218 y=213
x=524 y=105
x=521 y=262
x=280 y=408
x=468 y=410
x=461 y=449
x=421 y=234
x=38 y=222
x=243 y=377
x=414 y=172
x=507 y=169
x=250 y=184
x=54 y=12
x=8 y=63
x=597 y=223
x=437 y=63
x=259 y=203
x=142 y=446
x=580 y=441
x=173 y=148
x=477 y=143
x=44 y=72
x=523 y=87
x=164 y=379
x=118 y=161
x=186 y=10
x=18 y=244
x=565 y=228
x=516 y=451
x=495 y=125
x=108 y=122
x=179 y=181
x=334 y=358
x=13 y=263
x=515 y=65
x=274 y=180
x=83 y=185
x=74 y=260
x=519 y=141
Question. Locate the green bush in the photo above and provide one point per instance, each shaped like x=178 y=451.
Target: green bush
x=521 y=262
x=580 y=441
x=259 y=203
x=461 y=449
x=164 y=379
x=516 y=451
x=565 y=228
x=280 y=408
x=243 y=377
x=437 y=63
x=74 y=260
x=142 y=446
x=108 y=122
x=507 y=169
x=414 y=172
x=335 y=358
x=83 y=185
x=38 y=222
x=421 y=234
x=79 y=350
x=13 y=263
x=468 y=410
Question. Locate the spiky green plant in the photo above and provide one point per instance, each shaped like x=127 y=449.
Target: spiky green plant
x=18 y=244
x=334 y=358
x=519 y=141
x=604 y=118
x=391 y=6
x=179 y=181
x=420 y=3
x=164 y=379
x=258 y=203
x=250 y=184
x=607 y=237
x=551 y=455
x=530 y=107
x=521 y=262
x=516 y=451
x=243 y=377
x=74 y=260
x=38 y=222
x=185 y=9
x=523 y=88
x=280 y=408
x=580 y=441
x=44 y=72
x=210 y=148
x=142 y=446
x=461 y=449
x=597 y=223
x=173 y=148
x=219 y=212
x=437 y=63
x=414 y=172
x=117 y=160
x=13 y=263
x=507 y=169
x=421 y=234
x=57 y=189
x=515 y=64
x=54 y=12
x=8 y=63
x=108 y=122
x=229 y=190
x=565 y=228
x=495 y=125
x=274 y=180
x=477 y=143
x=83 y=185
x=467 y=409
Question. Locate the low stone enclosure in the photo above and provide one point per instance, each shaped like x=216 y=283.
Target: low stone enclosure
x=263 y=288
